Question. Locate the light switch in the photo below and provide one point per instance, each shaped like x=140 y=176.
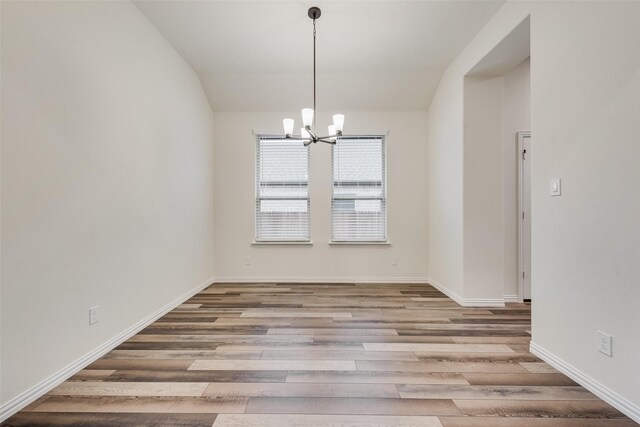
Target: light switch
x=555 y=188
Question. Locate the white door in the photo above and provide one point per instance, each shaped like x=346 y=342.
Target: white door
x=524 y=190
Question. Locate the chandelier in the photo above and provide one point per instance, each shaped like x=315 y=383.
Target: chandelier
x=307 y=132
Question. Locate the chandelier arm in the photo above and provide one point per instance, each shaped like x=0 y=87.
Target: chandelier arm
x=327 y=141
x=313 y=135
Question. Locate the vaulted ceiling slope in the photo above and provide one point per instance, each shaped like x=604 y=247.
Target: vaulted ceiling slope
x=372 y=55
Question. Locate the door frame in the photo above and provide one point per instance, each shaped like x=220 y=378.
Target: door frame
x=520 y=141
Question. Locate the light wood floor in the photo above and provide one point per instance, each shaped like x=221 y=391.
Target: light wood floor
x=324 y=355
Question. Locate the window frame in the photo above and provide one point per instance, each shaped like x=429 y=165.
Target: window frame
x=384 y=198
x=258 y=198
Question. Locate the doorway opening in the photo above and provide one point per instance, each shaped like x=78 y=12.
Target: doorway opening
x=497 y=261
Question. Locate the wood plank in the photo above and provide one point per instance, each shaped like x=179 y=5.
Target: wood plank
x=267 y=420
x=539 y=368
x=366 y=365
x=291 y=347
x=295 y=314
x=533 y=422
x=438 y=347
x=462 y=332
x=491 y=340
x=182 y=354
x=301 y=390
x=214 y=338
x=371 y=324
x=520 y=348
x=137 y=364
x=190 y=405
x=476 y=357
x=537 y=408
x=186 y=345
x=200 y=376
x=200 y=329
x=71 y=419
x=463 y=324
x=345 y=406
x=494 y=392
x=92 y=375
x=244 y=290
x=274 y=365
x=364 y=377
x=518 y=379
x=106 y=388
x=330 y=331
x=352 y=339
x=338 y=355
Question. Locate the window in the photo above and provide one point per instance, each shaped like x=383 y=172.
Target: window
x=359 y=202
x=282 y=190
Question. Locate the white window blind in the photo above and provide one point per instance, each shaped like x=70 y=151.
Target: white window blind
x=359 y=202
x=282 y=190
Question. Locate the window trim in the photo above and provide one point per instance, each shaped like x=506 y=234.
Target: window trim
x=360 y=243
x=385 y=198
x=281 y=243
x=257 y=198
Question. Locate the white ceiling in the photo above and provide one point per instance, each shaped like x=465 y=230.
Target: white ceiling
x=372 y=55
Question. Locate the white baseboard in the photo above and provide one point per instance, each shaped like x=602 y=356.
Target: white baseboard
x=17 y=403
x=512 y=298
x=318 y=279
x=448 y=292
x=611 y=397
x=467 y=302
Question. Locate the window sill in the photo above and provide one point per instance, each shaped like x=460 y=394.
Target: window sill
x=387 y=243
x=282 y=243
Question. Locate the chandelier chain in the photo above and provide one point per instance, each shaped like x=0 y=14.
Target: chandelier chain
x=314 y=73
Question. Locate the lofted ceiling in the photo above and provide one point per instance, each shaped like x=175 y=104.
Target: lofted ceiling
x=372 y=55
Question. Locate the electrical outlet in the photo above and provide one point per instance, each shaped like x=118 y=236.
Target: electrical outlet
x=247 y=260
x=93 y=315
x=394 y=260
x=604 y=343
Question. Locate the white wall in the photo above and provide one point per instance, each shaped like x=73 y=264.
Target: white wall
x=586 y=243
x=235 y=204
x=444 y=177
x=106 y=181
x=516 y=101
x=585 y=92
x=482 y=180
